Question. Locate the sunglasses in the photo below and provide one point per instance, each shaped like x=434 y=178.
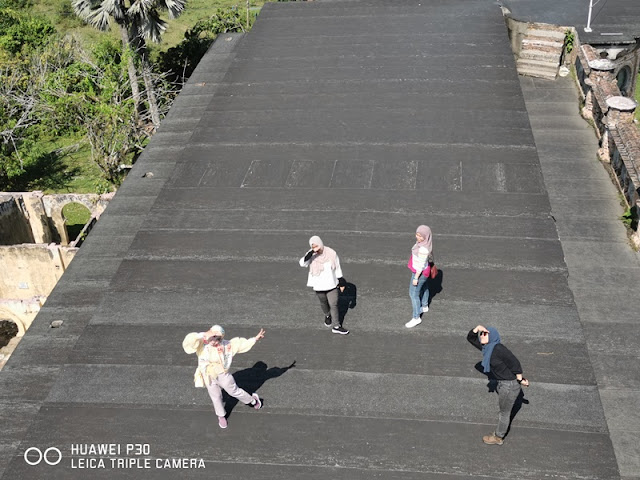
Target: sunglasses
x=482 y=334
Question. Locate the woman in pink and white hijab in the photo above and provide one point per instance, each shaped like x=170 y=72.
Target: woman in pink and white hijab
x=324 y=275
x=420 y=269
x=214 y=360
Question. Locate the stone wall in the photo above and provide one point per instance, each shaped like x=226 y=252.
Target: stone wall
x=30 y=270
x=612 y=114
x=22 y=313
x=14 y=223
x=32 y=217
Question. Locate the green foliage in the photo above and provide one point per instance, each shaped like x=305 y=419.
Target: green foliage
x=23 y=33
x=67 y=117
x=630 y=218
x=569 y=40
x=69 y=92
x=180 y=61
x=16 y=4
x=32 y=167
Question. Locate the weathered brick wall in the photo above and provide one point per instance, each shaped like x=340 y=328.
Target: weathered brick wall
x=613 y=119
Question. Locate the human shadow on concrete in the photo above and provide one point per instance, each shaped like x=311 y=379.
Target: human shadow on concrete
x=347 y=298
x=251 y=379
x=435 y=285
x=492 y=387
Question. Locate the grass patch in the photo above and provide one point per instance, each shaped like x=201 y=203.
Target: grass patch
x=76 y=217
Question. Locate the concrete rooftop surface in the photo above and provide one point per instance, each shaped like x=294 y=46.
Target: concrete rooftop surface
x=357 y=121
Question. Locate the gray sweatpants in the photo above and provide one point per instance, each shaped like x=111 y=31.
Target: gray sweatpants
x=226 y=381
x=329 y=304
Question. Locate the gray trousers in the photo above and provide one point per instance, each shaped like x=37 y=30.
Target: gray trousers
x=508 y=391
x=329 y=304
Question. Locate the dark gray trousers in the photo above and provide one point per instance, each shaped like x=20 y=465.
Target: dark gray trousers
x=329 y=304
x=508 y=391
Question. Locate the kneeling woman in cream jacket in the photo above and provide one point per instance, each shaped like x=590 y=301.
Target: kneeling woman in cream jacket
x=214 y=359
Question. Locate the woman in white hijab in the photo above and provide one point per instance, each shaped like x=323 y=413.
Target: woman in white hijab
x=324 y=275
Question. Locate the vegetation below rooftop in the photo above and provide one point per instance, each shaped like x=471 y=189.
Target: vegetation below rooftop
x=77 y=105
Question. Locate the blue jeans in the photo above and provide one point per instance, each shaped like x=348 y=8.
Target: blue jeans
x=419 y=294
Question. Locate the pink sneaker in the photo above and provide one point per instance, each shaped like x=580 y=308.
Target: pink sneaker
x=222 y=421
x=258 y=404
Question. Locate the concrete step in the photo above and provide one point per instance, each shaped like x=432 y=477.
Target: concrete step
x=536 y=73
x=537 y=70
x=540 y=55
x=527 y=63
x=533 y=41
x=557 y=35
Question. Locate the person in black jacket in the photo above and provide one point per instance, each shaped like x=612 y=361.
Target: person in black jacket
x=501 y=364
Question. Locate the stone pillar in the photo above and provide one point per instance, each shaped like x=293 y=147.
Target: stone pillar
x=37 y=217
x=587 y=110
x=56 y=260
x=60 y=225
x=620 y=110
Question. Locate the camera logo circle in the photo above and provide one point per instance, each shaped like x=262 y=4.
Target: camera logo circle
x=47 y=456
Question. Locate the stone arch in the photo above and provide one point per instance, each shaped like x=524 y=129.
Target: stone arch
x=55 y=203
x=9 y=316
x=72 y=232
x=624 y=79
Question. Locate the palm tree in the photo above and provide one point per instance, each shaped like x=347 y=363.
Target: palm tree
x=139 y=22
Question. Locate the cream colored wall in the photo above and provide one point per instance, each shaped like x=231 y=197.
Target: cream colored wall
x=22 y=313
x=30 y=270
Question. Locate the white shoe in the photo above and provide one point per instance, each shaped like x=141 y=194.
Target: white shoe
x=413 y=322
x=424 y=309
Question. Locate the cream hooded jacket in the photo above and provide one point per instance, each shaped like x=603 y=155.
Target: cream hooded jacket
x=213 y=361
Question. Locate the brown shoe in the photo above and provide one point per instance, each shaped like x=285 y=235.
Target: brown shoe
x=492 y=439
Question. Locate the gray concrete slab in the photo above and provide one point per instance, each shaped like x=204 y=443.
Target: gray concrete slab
x=590 y=229
x=614 y=256
x=74 y=321
x=603 y=272
x=391 y=223
x=302 y=392
x=616 y=370
x=45 y=350
x=508 y=286
x=456 y=251
x=628 y=453
x=26 y=384
x=558 y=361
x=355 y=200
x=289 y=444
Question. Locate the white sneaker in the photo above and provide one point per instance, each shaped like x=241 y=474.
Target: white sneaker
x=424 y=309
x=413 y=322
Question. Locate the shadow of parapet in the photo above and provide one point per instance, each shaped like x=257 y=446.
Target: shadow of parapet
x=251 y=379
x=435 y=285
x=347 y=298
